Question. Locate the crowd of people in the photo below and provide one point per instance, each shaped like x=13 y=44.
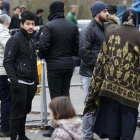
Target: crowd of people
x=109 y=71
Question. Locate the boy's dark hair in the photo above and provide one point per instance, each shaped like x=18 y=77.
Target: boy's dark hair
x=39 y=11
x=62 y=108
x=16 y=8
x=27 y=15
x=112 y=9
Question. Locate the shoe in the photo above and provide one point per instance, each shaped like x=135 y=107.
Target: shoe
x=48 y=133
x=4 y=134
x=25 y=138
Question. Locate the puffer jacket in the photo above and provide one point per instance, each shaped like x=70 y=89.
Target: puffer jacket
x=59 y=42
x=20 y=58
x=67 y=129
x=91 y=39
x=4 y=36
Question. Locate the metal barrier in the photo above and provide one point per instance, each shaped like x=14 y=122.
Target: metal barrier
x=13 y=31
x=43 y=86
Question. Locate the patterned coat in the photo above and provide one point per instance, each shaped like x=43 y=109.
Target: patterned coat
x=117 y=72
x=67 y=129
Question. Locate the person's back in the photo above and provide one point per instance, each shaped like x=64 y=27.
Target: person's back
x=67 y=126
x=62 y=44
x=58 y=42
x=116 y=79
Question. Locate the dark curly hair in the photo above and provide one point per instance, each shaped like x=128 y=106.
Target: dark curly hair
x=27 y=15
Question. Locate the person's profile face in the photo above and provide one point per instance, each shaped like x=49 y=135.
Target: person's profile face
x=1 y=3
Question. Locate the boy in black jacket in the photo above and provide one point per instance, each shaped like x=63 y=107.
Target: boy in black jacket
x=21 y=69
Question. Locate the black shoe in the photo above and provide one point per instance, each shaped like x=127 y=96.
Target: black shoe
x=48 y=133
x=25 y=138
x=4 y=134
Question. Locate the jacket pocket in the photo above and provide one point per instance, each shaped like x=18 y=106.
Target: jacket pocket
x=25 y=69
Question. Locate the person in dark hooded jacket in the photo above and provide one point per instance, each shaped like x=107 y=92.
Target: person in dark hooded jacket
x=6 y=7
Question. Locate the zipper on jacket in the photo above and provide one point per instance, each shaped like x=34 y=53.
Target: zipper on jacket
x=21 y=67
x=31 y=48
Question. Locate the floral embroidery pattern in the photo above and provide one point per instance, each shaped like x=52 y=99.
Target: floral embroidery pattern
x=115 y=70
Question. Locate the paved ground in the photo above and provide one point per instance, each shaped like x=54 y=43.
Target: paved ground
x=76 y=95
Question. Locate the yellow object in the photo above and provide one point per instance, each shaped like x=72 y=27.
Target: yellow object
x=39 y=74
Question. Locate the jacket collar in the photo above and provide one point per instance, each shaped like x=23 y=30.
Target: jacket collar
x=98 y=24
x=25 y=36
x=56 y=15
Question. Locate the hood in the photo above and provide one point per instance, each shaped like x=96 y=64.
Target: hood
x=112 y=19
x=3 y=28
x=6 y=7
x=72 y=126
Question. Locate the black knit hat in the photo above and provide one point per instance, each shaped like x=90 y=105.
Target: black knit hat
x=56 y=6
x=112 y=9
x=129 y=17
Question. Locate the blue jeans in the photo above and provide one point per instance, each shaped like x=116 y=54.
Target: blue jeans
x=88 y=118
x=85 y=84
x=5 y=98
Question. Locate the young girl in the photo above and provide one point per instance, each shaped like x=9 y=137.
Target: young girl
x=67 y=127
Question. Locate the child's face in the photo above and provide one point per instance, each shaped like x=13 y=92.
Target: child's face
x=52 y=116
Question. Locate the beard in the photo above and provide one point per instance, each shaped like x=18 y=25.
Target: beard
x=103 y=19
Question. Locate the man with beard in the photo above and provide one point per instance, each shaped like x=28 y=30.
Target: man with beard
x=21 y=68
x=91 y=39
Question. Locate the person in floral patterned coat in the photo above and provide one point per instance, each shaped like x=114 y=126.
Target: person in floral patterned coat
x=115 y=85
x=67 y=126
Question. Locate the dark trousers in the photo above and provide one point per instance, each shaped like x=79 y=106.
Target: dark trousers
x=115 y=120
x=5 y=98
x=59 y=82
x=21 y=106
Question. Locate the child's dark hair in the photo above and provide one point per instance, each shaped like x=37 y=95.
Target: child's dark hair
x=27 y=15
x=62 y=108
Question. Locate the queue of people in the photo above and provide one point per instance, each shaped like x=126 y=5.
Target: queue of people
x=109 y=72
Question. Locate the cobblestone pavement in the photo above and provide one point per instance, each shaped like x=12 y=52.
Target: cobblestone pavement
x=76 y=95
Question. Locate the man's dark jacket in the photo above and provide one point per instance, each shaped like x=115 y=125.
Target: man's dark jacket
x=91 y=39
x=20 y=59
x=15 y=22
x=39 y=21
x=59 y=41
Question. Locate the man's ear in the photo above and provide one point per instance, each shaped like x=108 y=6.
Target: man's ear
x=21 y=24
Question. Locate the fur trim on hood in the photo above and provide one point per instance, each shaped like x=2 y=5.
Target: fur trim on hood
x=115 y=19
